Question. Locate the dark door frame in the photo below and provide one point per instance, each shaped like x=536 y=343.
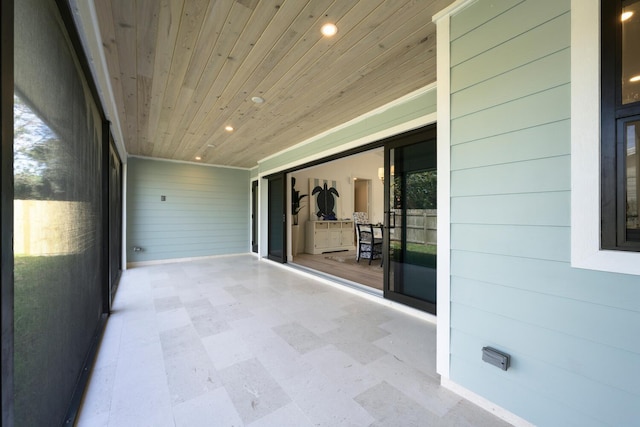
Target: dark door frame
x=426 y=133
x=254 y=216
x=272 y=179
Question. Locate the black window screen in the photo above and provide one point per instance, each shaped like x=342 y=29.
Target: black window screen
x=115 y=219
x=57 y=215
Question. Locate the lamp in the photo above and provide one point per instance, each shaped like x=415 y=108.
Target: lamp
x=381 y=174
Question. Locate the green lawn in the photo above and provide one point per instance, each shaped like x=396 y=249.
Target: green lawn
x=418 y=254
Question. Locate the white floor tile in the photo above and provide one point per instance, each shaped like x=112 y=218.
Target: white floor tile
x=237 y=341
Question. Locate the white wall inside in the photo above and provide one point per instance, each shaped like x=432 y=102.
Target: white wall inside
x=343 y=171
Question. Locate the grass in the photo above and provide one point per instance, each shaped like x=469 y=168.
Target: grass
x=46 y=311
x=418 y=253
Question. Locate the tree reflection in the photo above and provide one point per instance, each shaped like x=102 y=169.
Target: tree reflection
x=39 y=172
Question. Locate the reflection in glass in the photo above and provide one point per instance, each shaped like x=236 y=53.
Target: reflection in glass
x=58 y=228
x=632 y=135
x=630 y=51
x=412 y=222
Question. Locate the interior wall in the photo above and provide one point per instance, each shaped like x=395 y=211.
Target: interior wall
x=361 y=198
x=364 y=165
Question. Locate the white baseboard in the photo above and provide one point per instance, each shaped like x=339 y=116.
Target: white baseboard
x=175 y=260
x=485 y=404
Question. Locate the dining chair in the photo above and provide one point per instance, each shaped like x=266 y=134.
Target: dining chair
x=369 y=246
x=359 y=218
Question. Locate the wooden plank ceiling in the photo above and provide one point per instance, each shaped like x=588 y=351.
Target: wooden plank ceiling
x=182 y=70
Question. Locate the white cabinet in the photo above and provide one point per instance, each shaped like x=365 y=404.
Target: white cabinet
x=328 y=236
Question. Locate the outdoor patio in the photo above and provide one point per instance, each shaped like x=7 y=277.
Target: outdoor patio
x=234 y=341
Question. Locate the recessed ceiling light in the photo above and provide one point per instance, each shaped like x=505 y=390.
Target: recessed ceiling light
x=228 y=128
x=257 y=100
x=329 y=30
x=198 y=158
x=210 y=145
x=635 y=78
x=626 y=15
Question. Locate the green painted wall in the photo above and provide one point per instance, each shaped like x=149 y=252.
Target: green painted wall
x=419 y=106
x=206 y=211
x=574 y=335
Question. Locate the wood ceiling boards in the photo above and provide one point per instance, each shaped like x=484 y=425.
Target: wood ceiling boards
x=181 y=70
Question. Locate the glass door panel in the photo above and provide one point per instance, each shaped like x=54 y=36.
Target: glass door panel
x=276 y=227
x=411 y=245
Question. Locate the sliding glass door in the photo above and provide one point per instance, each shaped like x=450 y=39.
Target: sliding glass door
x=277 y=218
x=410 y=220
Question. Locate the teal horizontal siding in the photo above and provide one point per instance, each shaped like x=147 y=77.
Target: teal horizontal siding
x=538 y=142
x=590 y=321
x=533 y=78
x=528 y=47
x=478 y=14
x=513 y=209
x=514 y=22
x=550 y=105
x=530 y=176
x=548 y=243
x=206 y=211
x=420 y=106
x=549 y=277
x=562 y=397
x=558 y=350
x=572 y=333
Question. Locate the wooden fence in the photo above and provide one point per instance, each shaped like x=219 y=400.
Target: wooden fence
x=421 y=225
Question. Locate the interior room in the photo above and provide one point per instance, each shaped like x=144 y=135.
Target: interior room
x=359 y=188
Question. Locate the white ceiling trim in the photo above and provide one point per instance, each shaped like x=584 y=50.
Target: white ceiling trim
x=188 y=162
x=87 y=22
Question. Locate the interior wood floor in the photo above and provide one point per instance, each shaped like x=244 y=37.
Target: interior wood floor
x=344 y=265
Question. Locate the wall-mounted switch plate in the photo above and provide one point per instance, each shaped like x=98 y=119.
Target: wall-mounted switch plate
x=163 y=198
x=496 y=357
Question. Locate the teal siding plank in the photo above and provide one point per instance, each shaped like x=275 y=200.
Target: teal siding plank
x=576 y=401
x=533 y=176
x=420 y=106
x=560 y=351
x=549 y=106
x=576 y=393
x=545 y=73
x=542 y=41
x=536 y=408
x=549 y=277
x=206 y=211
x=549 y=140
x=551 y=209
x=477 y=14
x=550 y=243
x=572 y=332
x=589 y=321
x=505 y=27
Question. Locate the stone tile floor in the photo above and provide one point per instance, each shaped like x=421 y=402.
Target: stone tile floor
x=235 y=341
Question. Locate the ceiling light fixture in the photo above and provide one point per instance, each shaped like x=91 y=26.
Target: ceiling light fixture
x=257 y=100
x=329 y=30
x=228 y=128
x=198 y=158
x=635 y=79
x=626 y=15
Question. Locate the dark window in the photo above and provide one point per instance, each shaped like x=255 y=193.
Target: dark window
x=620 y=126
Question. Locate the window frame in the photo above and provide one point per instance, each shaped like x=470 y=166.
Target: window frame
x=586 y=251
x=613 y=115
